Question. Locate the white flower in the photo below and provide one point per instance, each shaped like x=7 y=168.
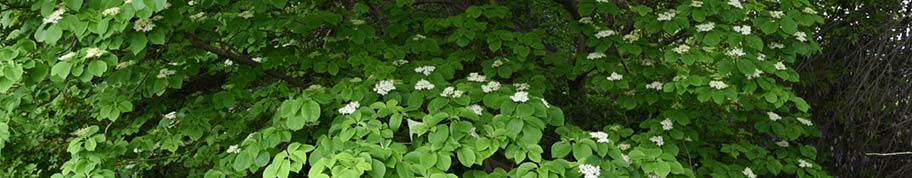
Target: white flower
x=426 y=70
x=652 y=175
x=490 y=87
x=800 y=36
x=749 y=173
x=54 y=16
x=475 y=77
x=780 y=66
x=625 y=157
x=777 y=14
x=718 y=84
x=735 y=3
x=400 y=62
x=418 y=37
x=804 y=121
x=615 y=76
x=757 y=73
x=497 y=63
x=667 y=124
x=666 y=16
x=191 y=2
x=696 y=4
x=198 y=16
x=595 y=55
x=809 y=10
x=349 y=108
x=775 y=45
x=602 y=1
x=143 y=25
x=630 y=38
x=163 y=73
x=681 y=49
x=94 y=52
x=257 y=59
x=804 y=164
x=246 y=14
x=624 y=146
x=384 y=86
x=773 y=116
x=658 y=140
x=600 y=136
x=521 y=86
x=125 y=64
x=605 y=33
x=647 y=62
x=783 y=143
x=744 y=29
x=424 y=85
x=590 y=171
x=171 y=115
x=520 y=97
x=137 y=150
x=655 y=85
x=473 y=132
x=736 y=52
x=451 y=92
x=229 y=62
x=585 y=20
x=706 y=27
x=476 y=109
x=111 y=11
x=67 y=56
x=761 y=57
x=233 y=149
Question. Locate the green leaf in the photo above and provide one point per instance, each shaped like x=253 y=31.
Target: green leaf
x=712 y=38
x=440 y=135
x=311 y=111
x=466 y=156
x=74 y=4
x=789 y=26
x=243 y=160
x=560 y=149
x=581 y=151
x=53 y=34
x=755 y=42
x=61 y=69
x=97 y=67
x=137 y=42
x=90 y=144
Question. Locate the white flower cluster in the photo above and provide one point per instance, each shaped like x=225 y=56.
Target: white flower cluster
x=54 y=16
x=384 y=87
x=233 y=149
x=497 y=63
x=475 y=77
x=749 y=173
x=800 y=36
x=590 y=171
x=520 y=97
x=804 y=121
x=655 y=85
x=667 y=124
x=775 y=45
x=490 y=87
x=476 y=109
x=736 y=3
x=604 y=33
x=773 y=116
x=67 y=56
x=804 y=164
x=736 y=52
x=125 y=64
x=426 y=70
x=94 y=52
x=780 y=66
x=111 y=11
x=630 y=38
x=143 y=25
x=171 y=115
x=257 y=59
x=696 y=4
x=400 y=62
x=744 y=29
x=783 y=143
x=757 y=73
x=600 y=136
x=761 y=57
x=681 y=49
x=623 y=146
x=163 y=73
x=666 y=16
x=521 y=86
x=595 y=55
x=777 y=14
x=473 y=132
x=228 y=62
x=706 y=27
x=419 y=37
x=718 y=84
x=585 y=20
x=602 y=1
x=809 y=10
x=198 y=16
x=424 y=85
x=658 y=140
x=615 y=76
x=451 y=92
x=349 y=108
x=246 y=14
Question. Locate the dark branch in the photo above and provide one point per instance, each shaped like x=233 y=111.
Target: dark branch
x=244 y=60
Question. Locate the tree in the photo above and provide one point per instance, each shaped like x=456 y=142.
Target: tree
x=405 y=88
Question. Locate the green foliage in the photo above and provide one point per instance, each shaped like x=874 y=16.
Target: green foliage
x=378 y=89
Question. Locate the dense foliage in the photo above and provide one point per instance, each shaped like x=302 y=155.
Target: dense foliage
x=404 y=88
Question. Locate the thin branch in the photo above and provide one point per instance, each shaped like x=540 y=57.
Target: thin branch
x=889 y=154
x=245 y=60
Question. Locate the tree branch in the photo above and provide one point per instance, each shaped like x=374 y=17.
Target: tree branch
x=245 y=60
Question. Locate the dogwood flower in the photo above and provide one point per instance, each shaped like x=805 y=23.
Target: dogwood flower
x=718 y=84
x=228 y=62
x=171 y=115
x=67 y=56
x=476 y=109
x=604 y=33
x=143 y=25
x=757 y=73
x=497 y=63
x=384 y=87
x=111 y=11
x=666 y=16
x=246 y=14
x=681 y=49
x=736 y=52
x=54 y=16
x=198 y=16
x=595 y=55
x=804 y=121
x=451 y=92
x=761 y=57
x=418 y=37
x=521 y=86
x=424 y=85
x=780 y=66
x=749 y=173
x=630 y=38
x=623 y=146
x=667 y=124
x=775 y=45
x=658 y=140
x=585 y=20
x=349 y=108
x=233 y=149
x=94 y=52
x=590 y=171
x=164 y=73
x=736 y=4
x=655 y=85
x=804 y=164
x=426 y=70
x=800 y=36
x=783 y=143
x=706 y=27
x=773 y=116
x=600 y=136
x=744 y=29
x=777 y=14
x=615 y=76
x=257 y=59
x=400 y=62
x=696 y=4
x=520 y=97
x=475 y=77
x=490 y=87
